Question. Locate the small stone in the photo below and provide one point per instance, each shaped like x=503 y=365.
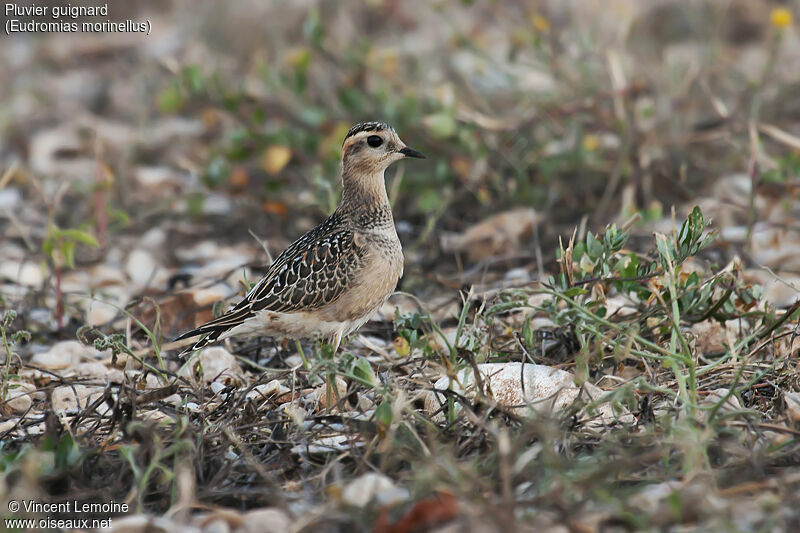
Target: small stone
x=93 y=369
x=155 y=416
x=74 y=281
x=45 y=154
x=327 y=445
x=781 y=292
x=715 y=396
x=217 y=204
x=792 y=400
x=175 y=400
x=10 y=198
x=294 y=361
x=200 y=252
x=217 y=525
x=157 y=177
x=266 y=521
x=541 y=322
x=154 y=239
x=104 y=275
x=36 y=429
x=19 y=397
x=143 y=523
x=71 y=398
x=273 y=388
x=99 y=313
x=542 y=389
x=216 y=363
x=619 y=306
x=210 y=295
x=27 y=273
x=140 y=266
x=65 y=354
x=373 y=486
x=6 y=425
x=217 y=387
x=151 y=381
x=733 y=234
x=115 y=375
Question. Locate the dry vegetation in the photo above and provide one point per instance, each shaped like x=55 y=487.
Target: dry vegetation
x=610 y=198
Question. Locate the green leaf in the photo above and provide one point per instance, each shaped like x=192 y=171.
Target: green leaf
x=67 y=452
x=593 y=246
x=48 y=246
x=664 y=249
x=80 y=236
x=384 y=414
x=118 y=215
x=363 y=372
x=68 y=251
x=575 y=291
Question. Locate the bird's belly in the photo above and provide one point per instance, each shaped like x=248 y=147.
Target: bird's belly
x=298 y=325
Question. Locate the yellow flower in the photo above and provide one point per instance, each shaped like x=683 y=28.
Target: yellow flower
x=781 y=17
x=590 y=143
x=401 y=346
x=540 y=23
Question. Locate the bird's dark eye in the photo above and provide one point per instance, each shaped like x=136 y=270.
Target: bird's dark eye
x=374 y=141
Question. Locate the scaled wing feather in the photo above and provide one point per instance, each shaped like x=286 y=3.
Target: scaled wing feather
x=311 y=273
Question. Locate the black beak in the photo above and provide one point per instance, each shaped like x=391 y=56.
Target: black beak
x=410 y=152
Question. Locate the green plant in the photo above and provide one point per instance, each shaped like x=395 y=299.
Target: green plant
x=9 y=341
x=59 y=247
x=653 y=283
x=154 y=459
x=50 y=455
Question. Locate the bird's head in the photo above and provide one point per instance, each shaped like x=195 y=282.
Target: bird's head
x=370 y=147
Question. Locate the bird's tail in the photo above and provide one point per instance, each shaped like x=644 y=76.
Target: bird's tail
x=213 y=330
x=201 y=342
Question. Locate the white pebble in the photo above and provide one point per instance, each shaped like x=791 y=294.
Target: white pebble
x=65 y=354
x=216 y=363
x=140 y=267
x=19 y=398
x=69 y=398
x=372 y=486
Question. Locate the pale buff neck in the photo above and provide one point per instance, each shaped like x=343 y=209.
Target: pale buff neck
x=363 y=188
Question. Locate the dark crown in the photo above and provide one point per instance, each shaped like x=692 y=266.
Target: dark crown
x=367 y=126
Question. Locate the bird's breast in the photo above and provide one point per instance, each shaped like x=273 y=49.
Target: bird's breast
x=377 y=278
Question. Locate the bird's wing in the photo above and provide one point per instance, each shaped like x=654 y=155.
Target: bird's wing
x=310 y=275
x=313 y=272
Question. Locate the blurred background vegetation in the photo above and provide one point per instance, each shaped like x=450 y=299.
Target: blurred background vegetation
x=132 y=166
x=234 y=114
